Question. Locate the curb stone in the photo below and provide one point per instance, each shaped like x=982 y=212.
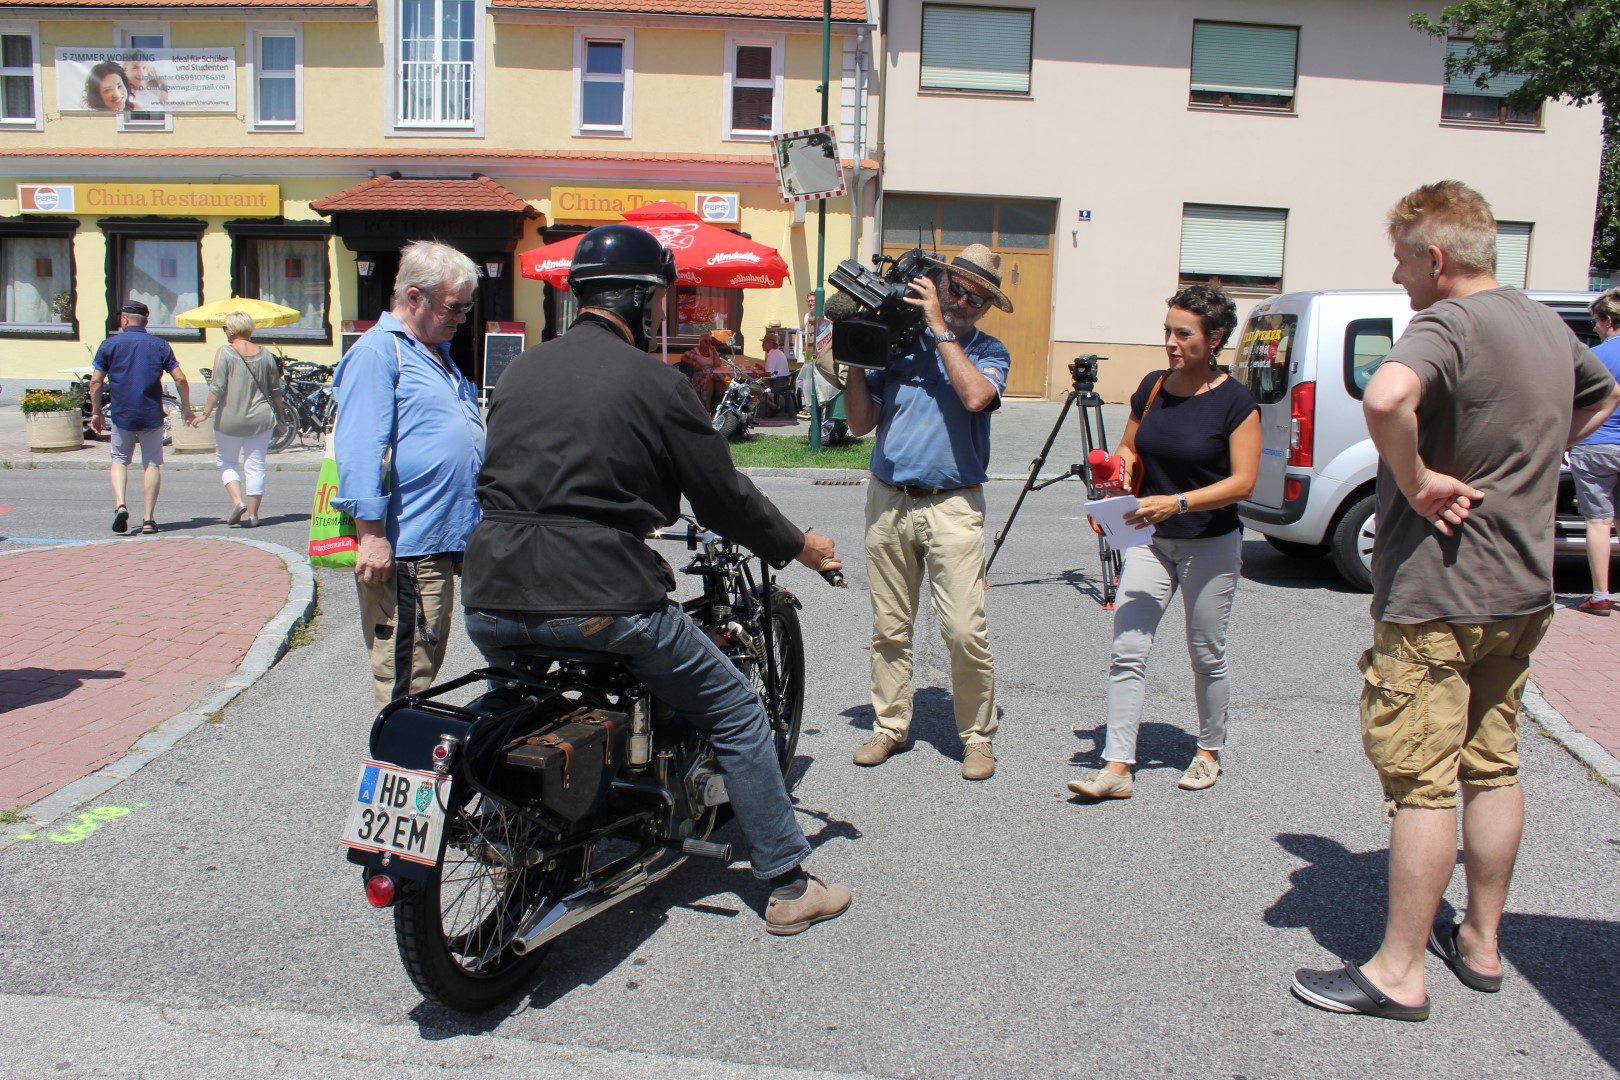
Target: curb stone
x=269 y=646
x=1583 y=748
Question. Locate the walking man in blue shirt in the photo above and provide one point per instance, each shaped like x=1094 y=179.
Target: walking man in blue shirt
x=409 y=442
x=134 y=361
x=925 y=508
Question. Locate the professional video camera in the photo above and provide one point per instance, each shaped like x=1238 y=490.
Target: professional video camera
x=872 y=323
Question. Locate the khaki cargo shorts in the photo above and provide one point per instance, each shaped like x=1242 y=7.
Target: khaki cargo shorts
x=1440 y=705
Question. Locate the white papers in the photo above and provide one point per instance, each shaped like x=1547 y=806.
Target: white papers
x=1109 y=514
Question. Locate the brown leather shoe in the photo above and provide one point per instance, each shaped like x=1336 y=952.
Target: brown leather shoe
x=978 y=761
x=819 y=903
x=1595 y=607
x=879 y=748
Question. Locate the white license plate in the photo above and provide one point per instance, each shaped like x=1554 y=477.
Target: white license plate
x=398 y=811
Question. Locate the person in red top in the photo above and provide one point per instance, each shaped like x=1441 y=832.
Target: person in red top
x=704 y=358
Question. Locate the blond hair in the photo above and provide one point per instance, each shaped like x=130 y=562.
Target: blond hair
x=239 y=324
x=1451 y=216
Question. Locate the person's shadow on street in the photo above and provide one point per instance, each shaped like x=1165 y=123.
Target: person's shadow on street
x=22 y=687
x=933 y=721
x=1340 y=897
x=1158 y=746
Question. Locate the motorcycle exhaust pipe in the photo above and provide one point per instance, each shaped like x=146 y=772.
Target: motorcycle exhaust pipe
x=610 y=885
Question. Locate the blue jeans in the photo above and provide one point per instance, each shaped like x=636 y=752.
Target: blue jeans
x=688 y=672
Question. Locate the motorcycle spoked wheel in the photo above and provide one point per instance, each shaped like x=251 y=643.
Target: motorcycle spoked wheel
x=455 y=929
x=786 y=713
x=729 y=425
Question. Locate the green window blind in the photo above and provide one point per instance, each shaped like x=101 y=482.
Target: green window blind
x=1235 y=241
x=1230 y=59
x=1512 y=252
x=1500 y=86
x=968 y=48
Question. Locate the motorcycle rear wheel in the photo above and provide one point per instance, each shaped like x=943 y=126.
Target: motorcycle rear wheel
x=455 y=930
x=786 y=710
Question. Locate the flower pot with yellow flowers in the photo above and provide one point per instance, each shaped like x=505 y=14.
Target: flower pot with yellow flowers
x=53 y=418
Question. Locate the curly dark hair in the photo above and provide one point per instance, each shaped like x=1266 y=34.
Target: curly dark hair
x=1215 y=310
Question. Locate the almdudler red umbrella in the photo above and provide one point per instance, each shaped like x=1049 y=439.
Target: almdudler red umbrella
x=705 y=255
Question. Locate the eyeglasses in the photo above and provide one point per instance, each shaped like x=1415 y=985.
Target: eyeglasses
x=452 y=309
x=960 y=292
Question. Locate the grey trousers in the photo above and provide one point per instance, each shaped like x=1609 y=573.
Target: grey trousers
x=1206 y=573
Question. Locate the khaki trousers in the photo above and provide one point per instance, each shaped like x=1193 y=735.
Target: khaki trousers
x=406 y=621
x=944 y=536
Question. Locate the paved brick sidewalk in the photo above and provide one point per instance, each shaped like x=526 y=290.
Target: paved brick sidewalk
x=104 y=641
x=1578 y=672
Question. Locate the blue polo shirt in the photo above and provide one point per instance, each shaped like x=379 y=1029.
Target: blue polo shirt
x=926 y=436
x=1608 y=432
x=134 y=362
x=416 y=408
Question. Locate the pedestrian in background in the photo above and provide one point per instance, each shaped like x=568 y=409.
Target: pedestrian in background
x=1462 y=586
x=409 y=440
x=133 y=362
x=925 y=507
x=1595 y=464
x=1195 y=432
x=246 y=391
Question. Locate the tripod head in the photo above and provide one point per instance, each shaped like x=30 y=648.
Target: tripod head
x=1084 y=372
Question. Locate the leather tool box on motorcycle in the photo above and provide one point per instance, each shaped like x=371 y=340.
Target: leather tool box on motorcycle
x=569 y=766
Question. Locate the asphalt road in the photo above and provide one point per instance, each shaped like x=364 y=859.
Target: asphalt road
x=999 y=929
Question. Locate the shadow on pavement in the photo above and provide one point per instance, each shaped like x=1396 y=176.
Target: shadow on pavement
x=21 y=687
x=1087 y=582
x=933 y=721
x=1158 y=746
x=1340 y=898
x=1266 y=565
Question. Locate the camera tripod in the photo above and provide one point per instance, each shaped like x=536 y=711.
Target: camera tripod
x=1088 y=405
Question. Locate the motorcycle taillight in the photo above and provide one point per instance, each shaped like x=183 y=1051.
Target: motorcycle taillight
x=379 y=890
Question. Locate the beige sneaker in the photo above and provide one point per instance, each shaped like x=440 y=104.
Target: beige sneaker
x=1199 y=775
x=978 y=760
x=819 y=903
x=879 y=748
x=1104 y=785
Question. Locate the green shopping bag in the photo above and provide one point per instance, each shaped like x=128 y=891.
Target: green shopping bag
x=333 y=540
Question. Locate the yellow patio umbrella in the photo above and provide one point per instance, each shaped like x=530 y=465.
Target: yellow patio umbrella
x=263 y=313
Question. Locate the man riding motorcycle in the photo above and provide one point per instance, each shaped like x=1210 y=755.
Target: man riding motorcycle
x=591 y=444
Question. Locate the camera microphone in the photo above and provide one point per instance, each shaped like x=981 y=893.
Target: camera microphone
x=840 y=306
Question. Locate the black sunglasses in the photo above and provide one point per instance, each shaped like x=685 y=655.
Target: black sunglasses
x=960 y=292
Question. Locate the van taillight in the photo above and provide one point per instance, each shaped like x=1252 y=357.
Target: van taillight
x=1302 y=425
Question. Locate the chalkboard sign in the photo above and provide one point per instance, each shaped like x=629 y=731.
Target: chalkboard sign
x=350 y=333
x=499 y=350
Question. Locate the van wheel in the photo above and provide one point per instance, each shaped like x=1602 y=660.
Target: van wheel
x=1296 y=550
x=1353 y=543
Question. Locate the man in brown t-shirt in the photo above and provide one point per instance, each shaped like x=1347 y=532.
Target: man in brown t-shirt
x=1471 y=412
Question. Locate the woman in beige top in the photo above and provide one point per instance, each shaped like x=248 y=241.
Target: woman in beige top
x=246 y=391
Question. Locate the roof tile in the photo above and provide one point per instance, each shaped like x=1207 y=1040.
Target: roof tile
x=479 y=195
x=842 y=10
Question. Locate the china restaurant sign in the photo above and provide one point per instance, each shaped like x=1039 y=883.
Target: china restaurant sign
x=611 y=204
x=170 y=200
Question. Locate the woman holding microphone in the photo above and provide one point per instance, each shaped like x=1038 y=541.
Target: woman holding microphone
x=1195 y=433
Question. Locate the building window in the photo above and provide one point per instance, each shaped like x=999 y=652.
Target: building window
x=1464 y=100
x=285 y=263
x=1243 y=67
x=437 y=46
x=701 y=310
x=604 y=73
x=753 y=87
x=135 y=37
x=934 y=224
x=19 y=79
x=979 y=49
x=1239 y=248
x=158 y=263
x=1512 y=253
x=275 y=78
x=36 y=276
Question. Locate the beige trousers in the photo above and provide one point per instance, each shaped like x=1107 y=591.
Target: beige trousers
x=944 y=536
x=406 y=621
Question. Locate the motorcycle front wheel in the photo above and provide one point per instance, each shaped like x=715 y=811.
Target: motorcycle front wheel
x=729 y=425
x=784 y=708
x=455 y=930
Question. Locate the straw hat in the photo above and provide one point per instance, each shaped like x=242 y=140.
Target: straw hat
x=981 y=266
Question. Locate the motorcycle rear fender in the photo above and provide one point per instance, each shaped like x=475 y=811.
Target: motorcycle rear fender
x=405 y=733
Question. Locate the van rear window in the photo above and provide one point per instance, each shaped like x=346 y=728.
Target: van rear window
x=1262 y=356
x=1366 y=343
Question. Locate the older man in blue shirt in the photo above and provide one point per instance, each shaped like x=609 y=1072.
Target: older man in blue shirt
x=409 y=442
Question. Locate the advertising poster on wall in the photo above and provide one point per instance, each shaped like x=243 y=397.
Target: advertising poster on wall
x=146 y=80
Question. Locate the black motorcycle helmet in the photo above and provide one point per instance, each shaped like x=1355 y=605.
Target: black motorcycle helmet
x=619 y=268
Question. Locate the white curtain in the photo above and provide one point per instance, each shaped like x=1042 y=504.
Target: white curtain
x=162 y=274
x=293 y=273
x=29 y=294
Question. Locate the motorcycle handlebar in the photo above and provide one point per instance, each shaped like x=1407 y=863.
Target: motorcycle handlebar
x=692 y=535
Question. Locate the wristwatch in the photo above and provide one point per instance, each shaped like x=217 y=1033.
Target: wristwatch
x=1181 y=503
x=940 y=339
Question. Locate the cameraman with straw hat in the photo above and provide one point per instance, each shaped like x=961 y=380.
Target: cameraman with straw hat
x=925 y=508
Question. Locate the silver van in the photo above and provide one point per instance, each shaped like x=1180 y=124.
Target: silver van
x=1307 y=357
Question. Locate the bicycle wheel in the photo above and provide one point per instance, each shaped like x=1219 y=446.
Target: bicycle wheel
x=171 y=416
x=455 y=930
x=785 y=707
x=286 y=427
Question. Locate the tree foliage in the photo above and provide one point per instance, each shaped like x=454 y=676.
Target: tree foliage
x=1567 y=50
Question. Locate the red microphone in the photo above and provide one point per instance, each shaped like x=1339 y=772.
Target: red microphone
x=1107 y=470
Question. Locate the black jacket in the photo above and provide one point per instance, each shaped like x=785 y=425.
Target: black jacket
x=591 y=445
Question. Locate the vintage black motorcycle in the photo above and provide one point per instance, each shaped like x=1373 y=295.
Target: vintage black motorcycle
x=492 y=828
x=738 y=408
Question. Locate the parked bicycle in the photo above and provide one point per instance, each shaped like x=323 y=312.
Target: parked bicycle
x=308 y=406
x=81 y=383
